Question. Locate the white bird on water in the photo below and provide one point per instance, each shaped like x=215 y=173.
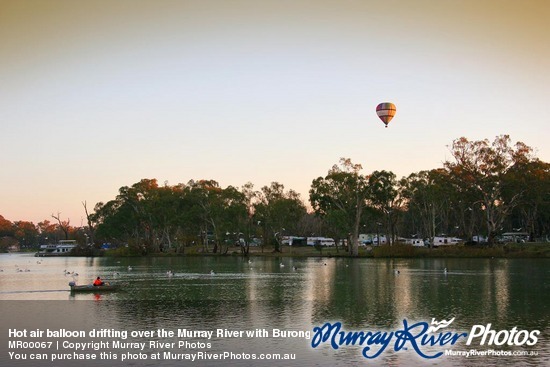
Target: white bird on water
x=212 y=272
x=170 y=273
x=129 y=268
x=282 y=265
x=445 y=271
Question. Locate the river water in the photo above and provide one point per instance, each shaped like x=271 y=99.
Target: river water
x=279 y=301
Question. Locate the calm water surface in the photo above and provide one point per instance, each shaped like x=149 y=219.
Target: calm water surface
x=362 y=294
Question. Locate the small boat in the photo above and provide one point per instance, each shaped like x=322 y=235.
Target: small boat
x=107 y=287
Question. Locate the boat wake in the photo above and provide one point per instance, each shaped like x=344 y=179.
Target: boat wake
x=40 y=291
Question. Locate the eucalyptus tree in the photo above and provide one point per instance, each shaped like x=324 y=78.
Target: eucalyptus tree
x=220 y=213
x=340 y=196
x=278 y=212
x=6 y=227
x=481 y=167
x=189 y=218
x=425 y=199
x=26 y=233
x=63 y=225
x=115 y=223
x=532 y=214
x=249 y=196
x=130 y=217
x=153 y=217
x=384 y=196
x=91 y=225
x=163 y=214
x=48 y=232
x=206 y=196
x=143 y=198
x=451 y=203
x=234 y=216
x=337 y=225
x=466 y=213
x=123 y=220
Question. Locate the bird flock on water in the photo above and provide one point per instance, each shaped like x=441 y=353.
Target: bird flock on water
x=170 y=273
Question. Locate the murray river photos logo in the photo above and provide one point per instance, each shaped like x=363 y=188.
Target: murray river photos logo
x=419 y=337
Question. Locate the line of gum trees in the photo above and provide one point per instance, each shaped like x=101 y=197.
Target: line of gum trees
x=153 y=218
x=485 y=189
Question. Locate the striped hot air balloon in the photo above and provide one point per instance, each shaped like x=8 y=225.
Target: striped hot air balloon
x=385 y=112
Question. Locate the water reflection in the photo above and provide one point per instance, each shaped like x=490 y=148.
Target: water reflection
x=363 y=294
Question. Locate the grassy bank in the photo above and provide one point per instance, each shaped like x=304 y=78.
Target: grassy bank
x=533 y=250
x=530 y=250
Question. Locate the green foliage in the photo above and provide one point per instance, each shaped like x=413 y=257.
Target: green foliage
x=278 y=212
x=488 y=188
x=199 y=214
x=340 y=198
x=483 y=169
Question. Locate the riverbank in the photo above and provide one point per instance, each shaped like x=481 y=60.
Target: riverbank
x=523 y=250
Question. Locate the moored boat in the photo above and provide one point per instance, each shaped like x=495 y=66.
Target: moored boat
x=63 y=248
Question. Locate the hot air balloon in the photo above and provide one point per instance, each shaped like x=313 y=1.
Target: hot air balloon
x=385 y=112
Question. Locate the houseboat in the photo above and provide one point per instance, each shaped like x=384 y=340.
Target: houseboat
x=62 y=248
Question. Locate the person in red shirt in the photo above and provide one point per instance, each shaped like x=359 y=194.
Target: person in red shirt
x=98 y=282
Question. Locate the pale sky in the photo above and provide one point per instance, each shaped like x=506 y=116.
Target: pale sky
x=95 y=95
